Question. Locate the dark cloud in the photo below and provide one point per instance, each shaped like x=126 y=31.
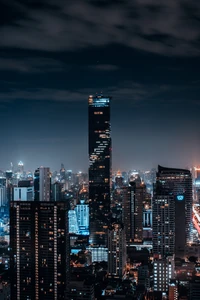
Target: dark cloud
x=31 y=65
x=129 y=91
x=104 y=67
x=166 y=27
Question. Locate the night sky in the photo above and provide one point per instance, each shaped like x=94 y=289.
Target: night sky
x=143 y=53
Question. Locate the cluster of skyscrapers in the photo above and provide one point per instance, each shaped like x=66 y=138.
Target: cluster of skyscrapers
x=109 y=219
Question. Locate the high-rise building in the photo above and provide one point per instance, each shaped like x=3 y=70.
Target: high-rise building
x=194 y=289
x=3 y=196
x=39 y=249
x=99 y=167
x=133 y=197
x=116 y=250
x=163 y=272
x=172 y=211
x=23 y=193
x=80 y=290
x=163 y=223
x=39 y=245
x=82 y=214
x=173 y=290
x=42 y=184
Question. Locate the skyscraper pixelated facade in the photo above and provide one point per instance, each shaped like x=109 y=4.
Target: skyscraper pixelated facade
x=133 y=197
x=172 y=211
x=39 y=259
x=116 y=250
x=99 y=167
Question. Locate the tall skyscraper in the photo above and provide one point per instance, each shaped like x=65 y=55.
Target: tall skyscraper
x=39 y=246
x=116 y=250
x=172 y=211
x=42 y=184
x=133 y=197
x=99 y=167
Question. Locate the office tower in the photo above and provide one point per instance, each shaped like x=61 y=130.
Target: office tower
x=147 y=217
x=194 y=289
x=25 y=183
x=133 y=197
x=99 y=167
x=56 y=191
x=116 y=250
x=3 y=196
x=39 y=247
x=23 y=193
x=172 y=211
x=73 y=223
x=163 y=272
x=82 y=214
x=2 y=181
x=173 y=290
x=98 y=253
x=62 y=173
x=42 y=184
x=119 y=180
x=20 y=167
x=80 y=290
x=163 y=223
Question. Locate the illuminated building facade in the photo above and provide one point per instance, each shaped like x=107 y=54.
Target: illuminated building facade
x=42 y=184
x=163 y=271
x=172 y=211
x=173 y=290
x=79 y=219
x=82 y=214
x=116 y=250
x=39 y=250
x=99 y=167
x=133 y=197
x=3 y=196
x=39 y=242
x=23 y=193
x=73 y=224
x=163 y=224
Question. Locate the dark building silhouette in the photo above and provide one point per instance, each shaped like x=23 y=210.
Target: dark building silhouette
x=172 y=211
x=39 y=243
x=99 y=167
x=133 y=197
x=42 y=184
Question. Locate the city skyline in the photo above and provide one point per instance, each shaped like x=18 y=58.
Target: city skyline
x=151 y=72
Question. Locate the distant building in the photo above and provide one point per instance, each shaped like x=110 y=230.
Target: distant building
x=73 y=223
x=80 y=290
x=98 y=253
x=116 y=250
x=25 y=183
x=23 y=193
x=42 y=184
x=3 y=196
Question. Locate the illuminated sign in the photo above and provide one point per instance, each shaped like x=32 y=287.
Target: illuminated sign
x=180 y=197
